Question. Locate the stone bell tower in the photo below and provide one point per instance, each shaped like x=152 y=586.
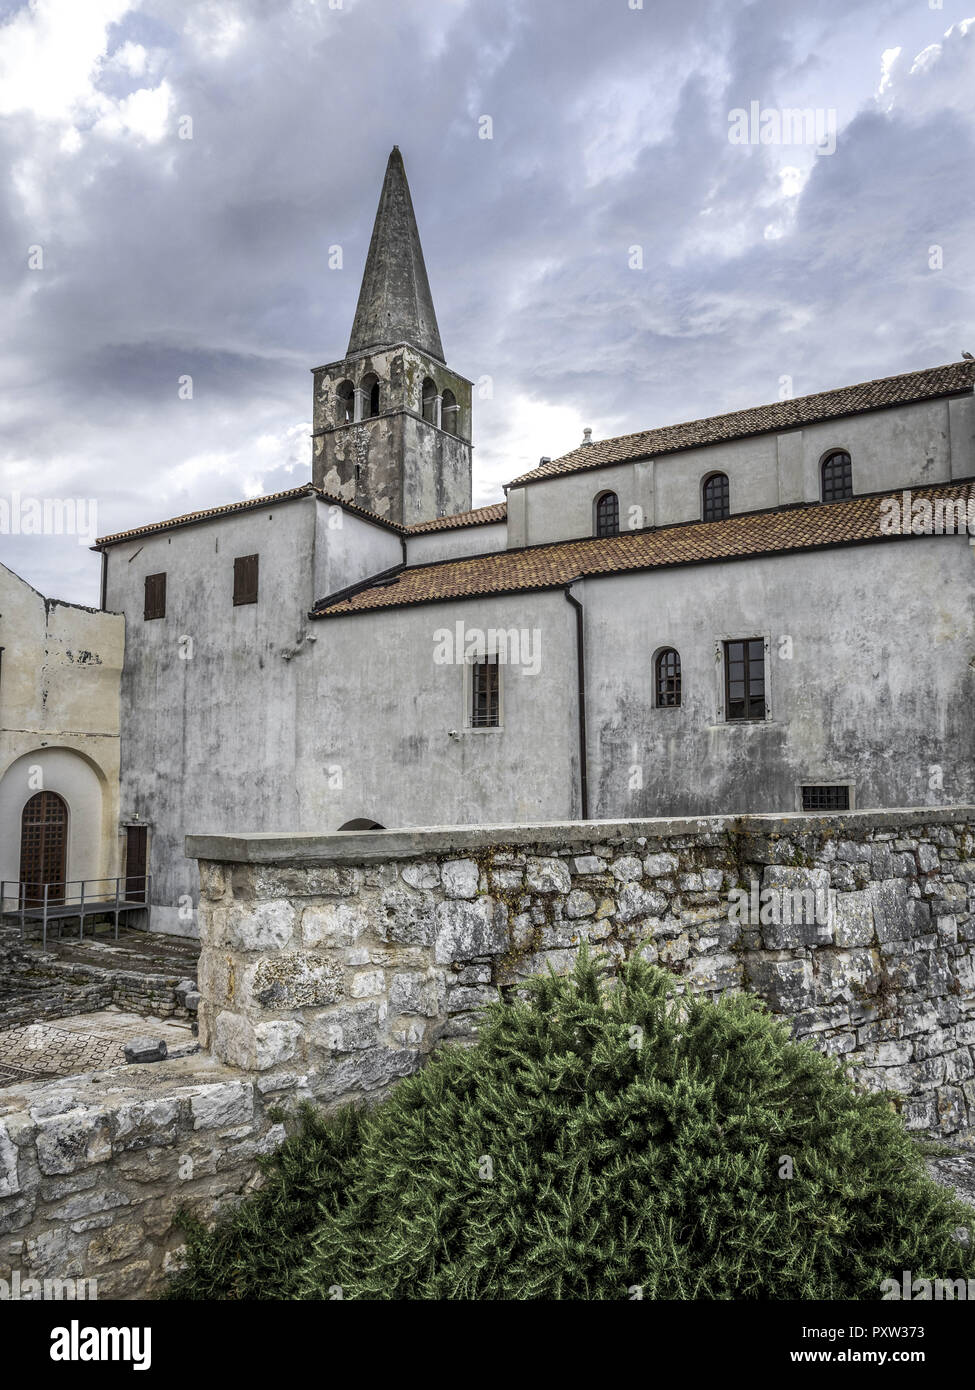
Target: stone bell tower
x=392 y=423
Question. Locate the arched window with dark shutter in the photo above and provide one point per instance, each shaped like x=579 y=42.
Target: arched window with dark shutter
x=608 y=514
x=837 y=476
x=667 y=679
x=715 y=497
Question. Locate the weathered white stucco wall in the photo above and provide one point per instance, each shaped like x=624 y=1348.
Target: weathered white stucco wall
x=430 y=546
x=909 y=446
x=59 y=723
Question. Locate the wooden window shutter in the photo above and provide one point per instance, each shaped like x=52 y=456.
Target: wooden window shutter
x=245 y=579
x=155 y=604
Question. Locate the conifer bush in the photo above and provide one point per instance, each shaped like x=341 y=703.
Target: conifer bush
x=602 y=1140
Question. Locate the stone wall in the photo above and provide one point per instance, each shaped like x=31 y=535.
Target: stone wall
x=46 y=985
x=93 y=1169
x=331 y=966
x=336 y=963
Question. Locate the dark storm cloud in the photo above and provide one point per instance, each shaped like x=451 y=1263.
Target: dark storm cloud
x=208 y=257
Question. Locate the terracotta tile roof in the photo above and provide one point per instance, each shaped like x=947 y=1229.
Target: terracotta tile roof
x=248 y=504
x=782 y=415
x=803 y=527
x=497 y=511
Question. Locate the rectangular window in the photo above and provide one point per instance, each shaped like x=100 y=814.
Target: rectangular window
x=744 y=674
x=485 y=693
x=826 y=798
x=155 y=601
x=245 y=579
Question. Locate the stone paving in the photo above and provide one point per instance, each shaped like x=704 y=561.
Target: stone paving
x=83 y=1043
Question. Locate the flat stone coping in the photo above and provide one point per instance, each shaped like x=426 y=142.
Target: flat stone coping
x=378 y=846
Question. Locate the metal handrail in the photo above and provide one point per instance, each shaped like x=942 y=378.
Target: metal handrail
x=28 y=902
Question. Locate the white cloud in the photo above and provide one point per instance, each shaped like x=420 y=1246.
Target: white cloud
x=887 y=60
x=131 y=58
x=215 y=28
x=144 y=113
x=49 y=54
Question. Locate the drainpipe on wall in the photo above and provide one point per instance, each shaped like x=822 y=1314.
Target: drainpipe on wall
x=581 y=675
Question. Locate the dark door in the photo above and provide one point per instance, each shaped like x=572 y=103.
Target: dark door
x=44 y=847
x=135 y=862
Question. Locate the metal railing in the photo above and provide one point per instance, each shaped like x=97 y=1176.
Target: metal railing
x=51 y=902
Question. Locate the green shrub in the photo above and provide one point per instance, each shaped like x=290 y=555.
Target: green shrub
x=596 y=1139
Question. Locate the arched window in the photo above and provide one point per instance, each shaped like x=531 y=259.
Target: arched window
x=345 y=403
x=430 y=400
x=449 y=411
x=608 y=514
x=370 y=395
x=666 y=679
x=715 y=498
x=837 y=476
x=44 y=848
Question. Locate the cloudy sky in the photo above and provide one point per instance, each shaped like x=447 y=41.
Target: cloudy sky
x=610 y=257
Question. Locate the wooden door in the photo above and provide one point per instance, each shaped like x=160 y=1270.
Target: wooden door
x=44 y=847
x=135 y=862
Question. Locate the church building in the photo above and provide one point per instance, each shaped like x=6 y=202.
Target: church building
x=771 y=610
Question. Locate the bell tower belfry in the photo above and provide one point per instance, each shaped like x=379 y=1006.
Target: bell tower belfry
x=391 y=422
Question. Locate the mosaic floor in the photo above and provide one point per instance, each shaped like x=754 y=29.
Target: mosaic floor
x=83 y=1042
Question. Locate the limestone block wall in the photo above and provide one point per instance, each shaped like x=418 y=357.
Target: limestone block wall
x=93 y=1170
x=332 y=965
x=335 y=964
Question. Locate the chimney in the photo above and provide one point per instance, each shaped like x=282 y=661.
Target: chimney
x=587 y=435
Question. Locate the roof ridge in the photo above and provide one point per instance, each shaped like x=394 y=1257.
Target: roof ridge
x=460 y=519
x=245 y=504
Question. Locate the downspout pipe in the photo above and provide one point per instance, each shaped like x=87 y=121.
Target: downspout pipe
x=581 y=681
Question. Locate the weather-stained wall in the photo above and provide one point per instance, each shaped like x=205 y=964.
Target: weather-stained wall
x=905 y=446
x=59 y=723
x=403 y=463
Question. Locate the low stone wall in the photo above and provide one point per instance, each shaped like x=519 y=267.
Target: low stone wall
x=36 y=985
x=336 y=963
x=93 y=1169
x=331 y=966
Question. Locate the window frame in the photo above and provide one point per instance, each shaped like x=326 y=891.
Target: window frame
x=371 y=393
x=720 y=664
x=451 y=409
x=658 y=657
x=812 y=783
x=470 y=663
x=345 y=402
x=430 y=419
x=241 y=596
x=600 y=500
x=706 y=481
x=148 y=617
x=824 y=462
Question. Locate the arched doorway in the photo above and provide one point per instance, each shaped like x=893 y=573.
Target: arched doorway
x=362 y=825
x=44 y=847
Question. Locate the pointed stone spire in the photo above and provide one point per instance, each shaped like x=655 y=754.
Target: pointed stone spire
x=395 y=304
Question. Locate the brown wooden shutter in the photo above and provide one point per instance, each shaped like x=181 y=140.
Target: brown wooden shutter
x=155 y=596
x=245 y=579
